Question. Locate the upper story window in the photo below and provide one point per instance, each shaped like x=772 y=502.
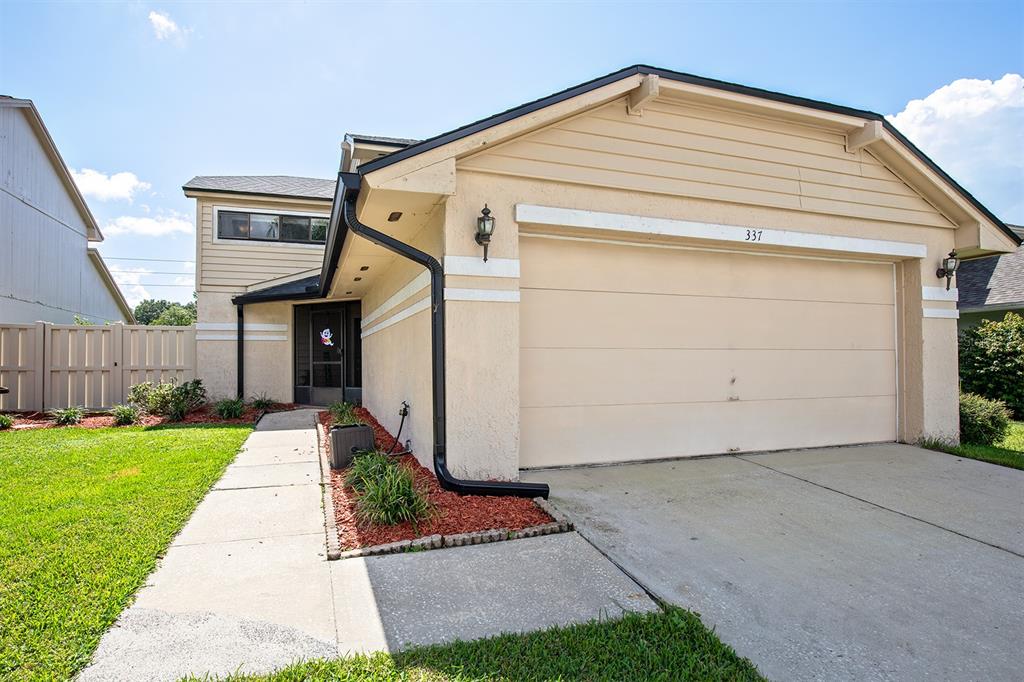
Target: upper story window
x=272 y=227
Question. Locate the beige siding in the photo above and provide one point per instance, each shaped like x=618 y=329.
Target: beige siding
x=231 y=265
x=633 y=353
x=712 y=154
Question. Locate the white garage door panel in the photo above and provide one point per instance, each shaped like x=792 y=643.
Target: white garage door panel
x=618 y=376
x=553 y=436
x=631 y=352
x=586 y=319
x=588 y=266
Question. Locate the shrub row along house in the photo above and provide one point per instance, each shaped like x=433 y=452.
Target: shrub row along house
x=647 y=265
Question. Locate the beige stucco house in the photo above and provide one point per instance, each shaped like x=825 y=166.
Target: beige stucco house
x=50 y=270
x=678 y=266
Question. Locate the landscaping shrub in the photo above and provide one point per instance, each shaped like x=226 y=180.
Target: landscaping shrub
x=366 y=466
x=168 y=399
x=124 y=415
x=229 y=408
x=67 y=416
x=6 y=421
x=391 y=497
x=992 y=361
x=343 y=414
x=262 y=402
x=982 y=421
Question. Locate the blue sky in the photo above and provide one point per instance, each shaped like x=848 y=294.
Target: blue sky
x=148 y=95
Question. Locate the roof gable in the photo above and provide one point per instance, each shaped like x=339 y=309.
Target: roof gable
x=864 y=130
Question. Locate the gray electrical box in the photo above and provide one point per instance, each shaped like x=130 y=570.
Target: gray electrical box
x=348 y=440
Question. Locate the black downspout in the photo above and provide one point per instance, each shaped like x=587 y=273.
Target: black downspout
x=240 y=343
x=448 y=482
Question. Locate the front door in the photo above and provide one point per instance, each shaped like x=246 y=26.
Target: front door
x=325 y=353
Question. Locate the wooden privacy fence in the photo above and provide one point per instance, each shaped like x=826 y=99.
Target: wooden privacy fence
x=48 y=366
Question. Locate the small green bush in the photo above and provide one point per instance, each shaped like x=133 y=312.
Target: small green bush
x=67 y=416
x=992 y=361
x=124 y=415
x=229 y=408
x=343 y=414
x=6 y=421
x=168 y=399
x=262 y=402
x=392 y=497
x=366 y=466
x=982 y=421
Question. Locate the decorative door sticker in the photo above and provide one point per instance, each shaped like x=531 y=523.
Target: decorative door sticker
x=326 y=337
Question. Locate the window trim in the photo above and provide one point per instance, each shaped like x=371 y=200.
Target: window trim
x=217 y=239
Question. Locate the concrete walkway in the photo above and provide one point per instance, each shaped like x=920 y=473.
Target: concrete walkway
x=246 y=585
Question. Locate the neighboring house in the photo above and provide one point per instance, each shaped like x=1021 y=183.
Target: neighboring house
x=678 y=266
x=48 y=271
x=990 y=287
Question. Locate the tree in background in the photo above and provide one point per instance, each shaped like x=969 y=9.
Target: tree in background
x=992 y=361
x=161 y=311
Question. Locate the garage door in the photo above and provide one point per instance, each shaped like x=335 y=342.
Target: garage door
x=641 y=352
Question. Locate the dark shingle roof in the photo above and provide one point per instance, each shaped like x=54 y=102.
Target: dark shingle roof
x=270 y=185
x=992 y=281
x=307 y=287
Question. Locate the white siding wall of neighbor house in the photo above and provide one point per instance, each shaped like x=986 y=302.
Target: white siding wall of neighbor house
x=45 y=273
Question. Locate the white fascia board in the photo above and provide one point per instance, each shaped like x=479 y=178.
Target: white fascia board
x=474 y=266
x=399 y=297
x=750 y=235
x=939 y=294
x=249 y=327
x=943 y=313
x=495 y=295
x=417 y=307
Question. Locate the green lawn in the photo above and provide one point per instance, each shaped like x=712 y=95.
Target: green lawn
x=673 y=645
x=84 y=514
x=1009 y=453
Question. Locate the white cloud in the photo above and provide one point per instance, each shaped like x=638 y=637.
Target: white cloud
x=167 y=30
x=129 y=280
x=974 y=130
x=159 y=226
x=97 y=185
x=164 y=27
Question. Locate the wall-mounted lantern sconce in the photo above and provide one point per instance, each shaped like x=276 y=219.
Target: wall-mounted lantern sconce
x=949 y=265
x=484 y=229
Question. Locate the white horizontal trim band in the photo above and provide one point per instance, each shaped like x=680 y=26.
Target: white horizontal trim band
x=752 y=236
x=498 y=295
x=940 y=294
x=417 y=307
x=474 y=266
x=399 y=297
x=945 y=313
x=231 y=326
x=232 y=337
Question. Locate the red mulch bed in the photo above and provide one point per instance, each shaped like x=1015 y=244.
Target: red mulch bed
x=204 y=415
x=452 y=513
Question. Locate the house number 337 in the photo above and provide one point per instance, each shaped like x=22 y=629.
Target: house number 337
x=754 y=235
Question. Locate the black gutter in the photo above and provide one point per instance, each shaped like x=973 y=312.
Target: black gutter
x=642 y=69
x=240 y=348
x=437 y=348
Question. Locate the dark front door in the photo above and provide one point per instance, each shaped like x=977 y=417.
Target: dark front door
x=327 y=353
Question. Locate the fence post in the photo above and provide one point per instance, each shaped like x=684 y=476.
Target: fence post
x=42 y=364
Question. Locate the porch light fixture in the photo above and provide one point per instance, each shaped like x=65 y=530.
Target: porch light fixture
x=484 y=229
x=949 y=265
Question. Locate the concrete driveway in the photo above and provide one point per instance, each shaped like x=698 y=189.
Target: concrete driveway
x=871 y=562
